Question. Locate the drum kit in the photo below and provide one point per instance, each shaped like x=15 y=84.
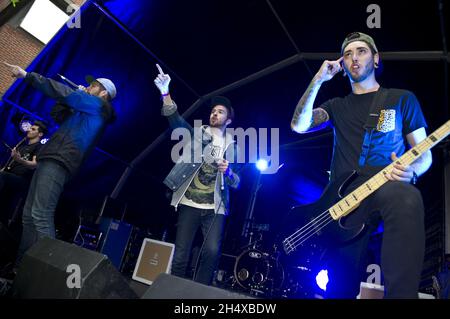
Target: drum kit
x=260 y=272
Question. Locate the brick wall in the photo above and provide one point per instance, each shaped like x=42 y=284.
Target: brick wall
x=79 y=2
x=4 y=4
x=18 y=47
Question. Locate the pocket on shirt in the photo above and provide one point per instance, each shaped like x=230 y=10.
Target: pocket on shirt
x=386 y=121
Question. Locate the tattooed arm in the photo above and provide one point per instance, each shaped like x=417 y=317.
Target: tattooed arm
x=306 y=118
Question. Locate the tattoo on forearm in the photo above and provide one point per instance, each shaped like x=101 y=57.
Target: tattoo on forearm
x=301 y=104
x=319 y=117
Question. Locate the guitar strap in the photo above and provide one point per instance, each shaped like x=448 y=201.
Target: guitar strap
x=371 y=122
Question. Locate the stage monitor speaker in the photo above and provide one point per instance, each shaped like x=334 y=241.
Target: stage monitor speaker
x=374 y=291
x=172 y=287
x=56 y=269
x=8 y=245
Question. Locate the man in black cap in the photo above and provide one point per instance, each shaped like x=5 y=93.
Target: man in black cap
x=200 y=183
x=397 y=203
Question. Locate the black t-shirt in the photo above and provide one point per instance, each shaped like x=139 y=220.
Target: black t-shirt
x=400 y=115
x=26 y=152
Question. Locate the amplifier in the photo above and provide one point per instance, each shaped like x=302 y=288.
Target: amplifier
x=155 y=258
x=116 y=236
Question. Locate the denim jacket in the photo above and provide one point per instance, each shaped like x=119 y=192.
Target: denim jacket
x=182 y=173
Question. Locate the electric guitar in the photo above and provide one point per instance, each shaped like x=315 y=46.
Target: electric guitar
x=11 y=159
x=324 y=219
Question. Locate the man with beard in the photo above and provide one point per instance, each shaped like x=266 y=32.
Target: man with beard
x=200 y=185
x=397 y=203
x=15 y=176
x=88 y=112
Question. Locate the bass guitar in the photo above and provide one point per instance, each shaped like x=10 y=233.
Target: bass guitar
x=325 y=218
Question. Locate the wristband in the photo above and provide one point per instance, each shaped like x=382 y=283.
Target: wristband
x=414 y=178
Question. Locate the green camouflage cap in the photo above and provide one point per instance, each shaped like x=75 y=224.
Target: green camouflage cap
x=359 y=36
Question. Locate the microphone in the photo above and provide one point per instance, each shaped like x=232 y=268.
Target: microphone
x=68 y=81
x=222 y=185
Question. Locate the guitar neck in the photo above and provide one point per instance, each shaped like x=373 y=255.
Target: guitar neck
x=353 y=200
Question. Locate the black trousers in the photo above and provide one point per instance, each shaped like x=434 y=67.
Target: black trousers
x=190 y=219
x=399 y=205
x=12 y=187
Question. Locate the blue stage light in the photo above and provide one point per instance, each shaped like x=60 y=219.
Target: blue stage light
x=322 y=279
x=25 y=125
x=262 y=165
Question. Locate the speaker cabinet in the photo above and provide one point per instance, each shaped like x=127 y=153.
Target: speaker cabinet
x=56 y=269
x=172 y=287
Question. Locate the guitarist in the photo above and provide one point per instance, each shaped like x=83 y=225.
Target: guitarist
x=397 y=203
x=15 y=175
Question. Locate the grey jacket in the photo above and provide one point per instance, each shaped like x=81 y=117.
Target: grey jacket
x=183 y=172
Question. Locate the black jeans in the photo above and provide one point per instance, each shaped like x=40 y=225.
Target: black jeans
x=400 y=206
x=212 y=226
x=12 y=187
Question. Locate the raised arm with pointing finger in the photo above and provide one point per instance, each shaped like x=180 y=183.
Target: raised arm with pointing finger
x=169 y=109
x=49 y=87
x=162 y=82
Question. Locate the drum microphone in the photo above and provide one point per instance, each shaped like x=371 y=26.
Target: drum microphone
x=68 y=81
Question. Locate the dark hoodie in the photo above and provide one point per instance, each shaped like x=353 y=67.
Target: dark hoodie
x=82 y=118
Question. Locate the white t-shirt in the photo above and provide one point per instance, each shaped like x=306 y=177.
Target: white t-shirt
x=200 y=193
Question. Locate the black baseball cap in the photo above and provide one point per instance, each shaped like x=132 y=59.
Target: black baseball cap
x=222 y=100
x=359 y=36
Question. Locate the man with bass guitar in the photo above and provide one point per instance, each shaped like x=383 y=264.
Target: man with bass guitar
x=372 y=126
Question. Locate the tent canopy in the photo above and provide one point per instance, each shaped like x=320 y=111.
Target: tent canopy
x=260 y=54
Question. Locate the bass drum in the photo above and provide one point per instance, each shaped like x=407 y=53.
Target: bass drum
x=256 y=270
